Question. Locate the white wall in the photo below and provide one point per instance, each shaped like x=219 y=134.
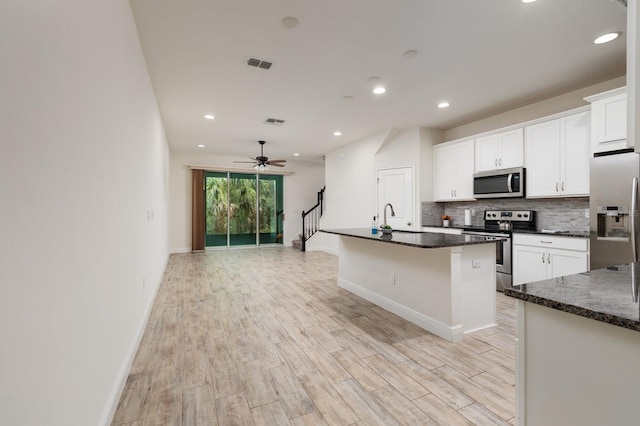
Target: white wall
x=351 y=176
x=533 y=111
x=300 y=193
x=83 y=207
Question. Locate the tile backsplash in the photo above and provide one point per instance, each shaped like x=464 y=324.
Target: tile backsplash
x=567 y=214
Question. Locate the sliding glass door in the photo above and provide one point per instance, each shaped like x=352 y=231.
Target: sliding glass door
x=216 y=209
x=270 y=209
x=243 y=209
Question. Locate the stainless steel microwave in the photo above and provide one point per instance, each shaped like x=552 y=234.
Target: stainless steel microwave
x=499 y=183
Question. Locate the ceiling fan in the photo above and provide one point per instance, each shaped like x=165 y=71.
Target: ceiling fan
x=261 y=162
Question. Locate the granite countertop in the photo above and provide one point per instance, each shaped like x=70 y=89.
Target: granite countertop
x=609 y=295
x=574 y=234
x=413 y=238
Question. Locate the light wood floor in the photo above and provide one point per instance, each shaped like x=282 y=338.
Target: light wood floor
x=266 y=337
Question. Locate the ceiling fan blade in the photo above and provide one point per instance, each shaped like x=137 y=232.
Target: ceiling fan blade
x=246 y=162
x=276 y=161
x=275 y=164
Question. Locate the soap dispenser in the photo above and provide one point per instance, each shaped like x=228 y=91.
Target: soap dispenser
x=374 y=226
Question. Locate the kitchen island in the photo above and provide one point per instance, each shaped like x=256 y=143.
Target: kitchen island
x=578 y=349
x=443 y=283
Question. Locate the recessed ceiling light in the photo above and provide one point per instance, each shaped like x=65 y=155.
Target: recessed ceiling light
x=337 y=133
x=348 y=97
x=528 y=1
x=444 y=104
x=379 y=90
x=209 y=116
x=200 y=146
x=296 y=154
x=605 y=38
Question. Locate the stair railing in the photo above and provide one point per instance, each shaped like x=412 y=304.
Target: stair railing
x=311 y=219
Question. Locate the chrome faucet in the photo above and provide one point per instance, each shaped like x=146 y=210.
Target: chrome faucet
x=385 y=213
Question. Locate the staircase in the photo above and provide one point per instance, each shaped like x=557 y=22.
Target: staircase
x=310 y=222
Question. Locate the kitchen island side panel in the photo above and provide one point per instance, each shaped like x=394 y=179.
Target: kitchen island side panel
x=574 y=370
x=436 y=289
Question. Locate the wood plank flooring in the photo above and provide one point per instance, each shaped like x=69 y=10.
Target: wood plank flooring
x=266 y=337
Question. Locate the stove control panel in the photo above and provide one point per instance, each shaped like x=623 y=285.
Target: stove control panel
x=509 y=215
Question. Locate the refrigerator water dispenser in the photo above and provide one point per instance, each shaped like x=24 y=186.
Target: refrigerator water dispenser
x=613 y=223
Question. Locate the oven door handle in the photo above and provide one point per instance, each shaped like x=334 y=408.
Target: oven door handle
x=509 y=179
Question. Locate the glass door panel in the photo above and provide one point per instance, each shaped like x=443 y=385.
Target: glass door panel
x=243 y=200
x=270 y=209
x=236 y=204
x=217 y=207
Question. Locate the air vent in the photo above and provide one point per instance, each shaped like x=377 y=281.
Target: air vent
x=253 y=62
x=274 y=121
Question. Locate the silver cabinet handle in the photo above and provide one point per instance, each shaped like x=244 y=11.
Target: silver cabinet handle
x=546 y=242
x=548 y=257
x=557 y=187
x=542 y=257
x=452 y=193
x=495 y=162
x=500 y=162
x=562 y=186
x=408 y=223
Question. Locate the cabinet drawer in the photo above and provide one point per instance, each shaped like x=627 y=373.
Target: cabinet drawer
x=551 y=241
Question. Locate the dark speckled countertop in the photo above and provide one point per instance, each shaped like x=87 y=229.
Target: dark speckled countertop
x=413 y=239
x=575 y=234
x=609 y=295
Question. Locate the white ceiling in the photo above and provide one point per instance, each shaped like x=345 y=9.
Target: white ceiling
x=483 y=56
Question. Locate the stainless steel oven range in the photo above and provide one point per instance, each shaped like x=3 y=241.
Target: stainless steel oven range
x=501 y=224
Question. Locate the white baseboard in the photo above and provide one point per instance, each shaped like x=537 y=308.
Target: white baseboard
x=123 y=374
x=452 y=334
x=176 y=250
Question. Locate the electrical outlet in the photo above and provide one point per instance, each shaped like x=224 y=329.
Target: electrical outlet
x=476 y=264
x=392 y=278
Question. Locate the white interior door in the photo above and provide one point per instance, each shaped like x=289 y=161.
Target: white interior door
x=395 y=186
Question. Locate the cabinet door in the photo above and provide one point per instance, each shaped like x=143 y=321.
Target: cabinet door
x=542 y=142
x=575 y=154
x=566 y=262
x=529 y=264
x=487 y=153
x=463 y=163
x=611 y=116
x=444 y=176
x=512 y=149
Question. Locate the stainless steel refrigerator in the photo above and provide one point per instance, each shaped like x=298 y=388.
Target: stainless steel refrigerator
x=614 y=209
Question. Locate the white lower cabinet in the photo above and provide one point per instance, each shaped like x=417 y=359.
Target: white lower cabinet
x=539 y=257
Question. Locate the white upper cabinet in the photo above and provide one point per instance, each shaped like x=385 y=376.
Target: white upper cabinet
x=557 y=157
x=500 y=150
x=454 y=167
x=609 y=120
